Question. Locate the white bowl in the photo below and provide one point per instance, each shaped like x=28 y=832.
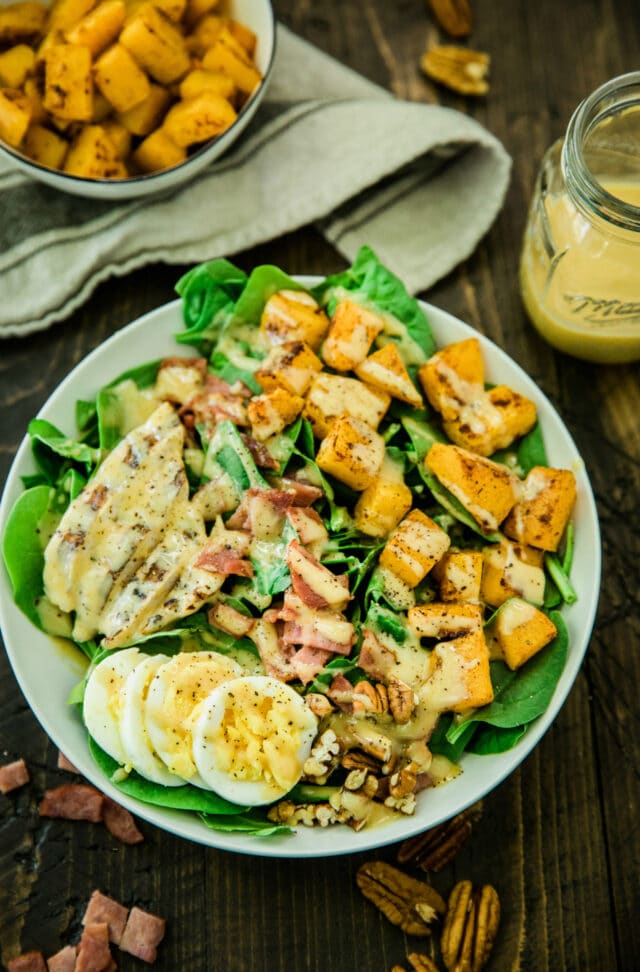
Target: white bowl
x=255 y=14
x=46 y=671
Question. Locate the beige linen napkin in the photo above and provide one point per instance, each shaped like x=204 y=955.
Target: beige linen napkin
x=420 y=184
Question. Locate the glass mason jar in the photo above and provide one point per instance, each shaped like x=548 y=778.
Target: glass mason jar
x=580 y=263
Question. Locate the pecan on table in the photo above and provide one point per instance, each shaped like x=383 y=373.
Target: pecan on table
x=458 y=68
x=470 y=927
x=412 y=905
x=421 y=963
x=437 y=847
x=454 y=16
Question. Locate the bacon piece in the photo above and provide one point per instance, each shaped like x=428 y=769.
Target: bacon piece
x=200 y=364
x=228 y=619
x=274 y=654
x=13 y=775
x=120 y=823
x=376 y=659
x=63 y=961
x=73 y=801
x=94 y=954
x=303 y=567
x=27 y=962
x=225 y=561
x=308 y=661
x=261 y=455
x=341 y=692
x=304 y=493
x=143 y=934
x=66 y=764
x=311 y=635
x=103 y=909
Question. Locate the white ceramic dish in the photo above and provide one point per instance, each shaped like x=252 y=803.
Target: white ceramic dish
x=46 y=671
x=255 y=14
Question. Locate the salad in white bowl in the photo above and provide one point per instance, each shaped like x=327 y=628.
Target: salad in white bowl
x=321 y=557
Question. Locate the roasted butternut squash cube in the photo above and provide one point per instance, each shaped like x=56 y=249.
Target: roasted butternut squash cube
x=229 y=56
x=271 y=412
x=93 y=155
x=147 y=114
x=99 y=28
x=333 y=395
x=66 y=13
x=15 y=64
x=45 y=147
x=541 y=515
x=458 y=575
x=519 y=631
x=492 y=421
x=352 y=452
x=244 y=35
x=351 y=334
x=119 y=136
x=199 y=119
x=68 y=82
x=196 y=9
x=511 y=570
x=173 y=9
x=444 y=620
x=15 y=116
x=460 y=676
x=414 y=547
x=34 y=93
x=291 y=365
x=158 y=151
x=385 y=369
x=486 y=489
x=120 y=78
x=293 y=315
x=157 y=44
x=102 y=108
x=22 y=22
x=381 y=507
x=204 y=35
x=198 y=81
x=453 y=376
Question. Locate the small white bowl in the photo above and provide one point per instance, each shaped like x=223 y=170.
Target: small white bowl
x=255 y=14
x=47 y=668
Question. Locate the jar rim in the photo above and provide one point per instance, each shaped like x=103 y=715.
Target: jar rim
x=585 y=189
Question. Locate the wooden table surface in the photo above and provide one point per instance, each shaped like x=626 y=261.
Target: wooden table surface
x=560 y=839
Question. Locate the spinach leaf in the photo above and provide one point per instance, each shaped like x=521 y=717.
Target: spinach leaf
x=230 y=453
x=52 y=450
x=269 y=559
x=440 y=745
x=22 y=549
x=221 y=366
x=531 y=450
x=560 y=578
x=569 y=544
x=488 y=740
x=370 y=282
x=523 y=695
x=144 y=375
x=263 y=283
x=339 y=665
x=382 y=620
x=255 y=824
x=185 y=797
x=209 y=293
x=422 y=432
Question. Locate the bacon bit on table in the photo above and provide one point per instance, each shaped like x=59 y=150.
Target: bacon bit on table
x=143 y=934
x=102 y=908
x=73 y=801
x=64 y=960
x=94 y=954
x=28 y=962
x=120 y=823
x=13 y=775
x=66 y=764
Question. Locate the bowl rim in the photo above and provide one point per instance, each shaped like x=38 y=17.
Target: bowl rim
x=168 y=318
x=146 y=178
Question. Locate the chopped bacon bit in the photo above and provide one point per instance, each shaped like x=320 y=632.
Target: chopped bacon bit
x=423 y=781
x=376 y=659
x=306 y=593
x=261 y=455
x=120 y=823
x=274 y=654
x=296 y=633
x=297 y=554
x=66 y=764
x=304 y=493
x=224 y=561
x=94 y=954
x=143 y=934
x=13 y=775
x=308 y=661
x=341 y=692
x=222 y=387
x=102 y=908
x=63 y=961
x=28 y=962
x=73 y=801
x=200 y=364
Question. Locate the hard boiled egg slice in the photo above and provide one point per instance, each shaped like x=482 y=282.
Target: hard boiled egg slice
x=103 y=700
x=251 y=738
x=176 y=689
x=135 y=738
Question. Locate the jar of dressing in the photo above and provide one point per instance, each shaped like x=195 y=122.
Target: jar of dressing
x=580 y=263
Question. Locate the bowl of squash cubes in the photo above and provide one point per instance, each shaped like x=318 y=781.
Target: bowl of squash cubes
x=116 y=99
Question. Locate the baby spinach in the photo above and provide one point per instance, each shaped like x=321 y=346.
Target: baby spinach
x=256 y=824
x=560 y=578
x=488 y=740
x=209 y=293
x=439 y=743
x=220 y=365
x=23 y=551
x=53 y=451
x=233 y=456
x=531 y=450
x=264 y=282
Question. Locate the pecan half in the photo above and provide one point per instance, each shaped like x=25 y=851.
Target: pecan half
x=401 y=700
x=437 y=847
x=470 y=927
x=421 y=963
x=412 y=905
x=458 y=68
x=454 y=16
x=354 y=759
x=370 y=698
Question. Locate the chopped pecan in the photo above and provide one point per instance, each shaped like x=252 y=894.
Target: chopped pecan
x=356 y=778
x=412 y=905
x=454 y=16
x=437 y=847
x=470 y=927
x=401 y=700
x=421 y=963
x=458 y=68
x=319 y=704
x=307 y=814
x=354 y=759
x=323 y=758
x=402 y=783
x=370 y=698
